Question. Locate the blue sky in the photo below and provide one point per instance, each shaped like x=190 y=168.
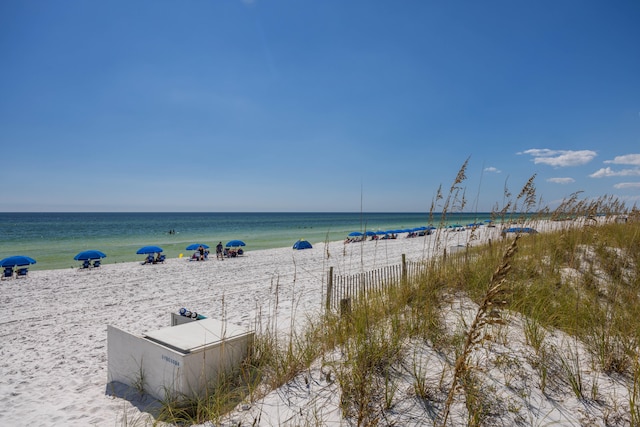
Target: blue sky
x=291 y=105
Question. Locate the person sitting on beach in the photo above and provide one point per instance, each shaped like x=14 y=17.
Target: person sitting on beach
x=201 y=251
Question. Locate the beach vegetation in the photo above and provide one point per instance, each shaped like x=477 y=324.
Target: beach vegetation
x=571 y=296
x=139 y=382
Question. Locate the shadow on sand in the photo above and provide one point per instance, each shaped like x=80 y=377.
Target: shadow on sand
x=142 y=401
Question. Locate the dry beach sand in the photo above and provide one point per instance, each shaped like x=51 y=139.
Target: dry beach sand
x=53 y=355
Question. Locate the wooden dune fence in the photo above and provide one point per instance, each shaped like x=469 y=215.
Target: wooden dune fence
x=342 y=290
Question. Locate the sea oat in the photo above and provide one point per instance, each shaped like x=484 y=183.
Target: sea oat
x=487 y=314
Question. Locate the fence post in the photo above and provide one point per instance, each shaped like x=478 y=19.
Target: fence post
x=404 y=270
x=329 y=289
x=345 y=307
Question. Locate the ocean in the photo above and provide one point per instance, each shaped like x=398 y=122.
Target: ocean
x=53 y=239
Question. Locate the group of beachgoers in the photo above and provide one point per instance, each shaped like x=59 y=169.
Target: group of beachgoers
x=419 y=232
x=159 y=258
x=202 y=253
x=387 y=236
x=374 y=237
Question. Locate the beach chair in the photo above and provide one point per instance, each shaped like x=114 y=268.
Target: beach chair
x=22 y=272
x=160 y=258
x=86 y=264
x=96 y=263
x=149 y=259
x=7 y=273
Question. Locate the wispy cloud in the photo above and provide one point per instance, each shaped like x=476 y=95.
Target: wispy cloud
x=561 y=180
x=627 y=159
x=560 y=158
x=492 y=170
x=625 y=185
x=607 y=172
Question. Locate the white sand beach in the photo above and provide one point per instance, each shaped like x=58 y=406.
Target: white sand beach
x=53 y=355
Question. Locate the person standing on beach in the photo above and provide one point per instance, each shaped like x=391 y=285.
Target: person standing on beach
x=219 y=251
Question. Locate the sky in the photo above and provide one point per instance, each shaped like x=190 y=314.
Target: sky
x=314 y=106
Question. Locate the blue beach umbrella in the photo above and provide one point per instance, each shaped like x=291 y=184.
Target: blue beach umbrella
x=355 y=234
x=88 y=255
x=234 y=243
x=381 y=232
x=370 y=233
x=302 y=244
x=195 y=246
x=149 y=250
x=17 y=260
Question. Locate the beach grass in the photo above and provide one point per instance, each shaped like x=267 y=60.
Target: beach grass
x=582 y=280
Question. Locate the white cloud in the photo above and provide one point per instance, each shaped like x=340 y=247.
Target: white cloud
x=627 y=159
x=560 y=158
x=561 y=180
x=536 y=152
x=602 y=172
x=605 y=172
x=492 y=169
x=627 y=185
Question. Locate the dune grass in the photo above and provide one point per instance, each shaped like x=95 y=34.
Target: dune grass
x=583 y=280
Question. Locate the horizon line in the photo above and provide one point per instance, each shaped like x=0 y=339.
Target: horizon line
x=249 y=212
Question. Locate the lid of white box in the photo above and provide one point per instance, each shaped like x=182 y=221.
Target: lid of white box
x=193 y=335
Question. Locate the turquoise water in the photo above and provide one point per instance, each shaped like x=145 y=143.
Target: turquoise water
x=53 y=239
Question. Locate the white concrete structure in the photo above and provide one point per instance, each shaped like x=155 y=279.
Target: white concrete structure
x=177 y=360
